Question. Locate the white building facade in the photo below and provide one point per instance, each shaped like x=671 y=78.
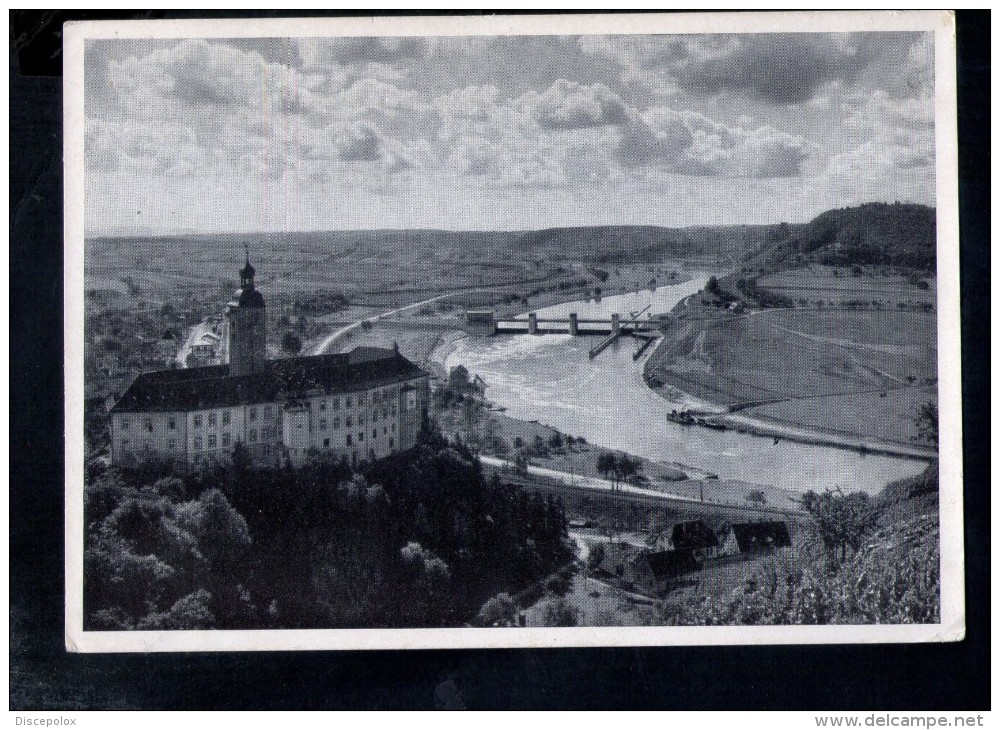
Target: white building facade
x=366 y=404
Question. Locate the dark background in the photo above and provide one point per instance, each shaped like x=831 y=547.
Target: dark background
x=44 y=676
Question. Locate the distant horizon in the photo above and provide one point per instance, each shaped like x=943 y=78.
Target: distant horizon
x=438 y=229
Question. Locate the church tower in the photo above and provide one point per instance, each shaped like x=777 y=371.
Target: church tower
x=247 y=326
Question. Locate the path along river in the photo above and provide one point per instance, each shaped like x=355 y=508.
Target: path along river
x=550 y=379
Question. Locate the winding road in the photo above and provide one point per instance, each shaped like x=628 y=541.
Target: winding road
x=331 y=338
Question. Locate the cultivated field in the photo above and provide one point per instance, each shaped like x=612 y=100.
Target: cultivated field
x=391 y=266
x=861 y=366
x=810 y=285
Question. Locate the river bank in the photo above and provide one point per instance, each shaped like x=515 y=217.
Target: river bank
x=578 y=461
x=794 y=370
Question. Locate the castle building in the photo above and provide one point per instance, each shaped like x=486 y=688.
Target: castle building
x=365 y=404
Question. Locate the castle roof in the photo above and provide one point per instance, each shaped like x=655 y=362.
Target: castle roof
x=203 y=388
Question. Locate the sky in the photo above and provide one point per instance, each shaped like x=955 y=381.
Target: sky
x=502 y=133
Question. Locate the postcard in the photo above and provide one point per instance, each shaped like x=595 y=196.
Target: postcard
x=512 y=331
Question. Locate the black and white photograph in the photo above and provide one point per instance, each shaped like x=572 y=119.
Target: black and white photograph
x=523 y=332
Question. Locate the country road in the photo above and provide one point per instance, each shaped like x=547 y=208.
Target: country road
x=585 y=482
x=328 y=341
x=579 y=483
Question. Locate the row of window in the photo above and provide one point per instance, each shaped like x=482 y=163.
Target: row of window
x=268 y=413
x=326 y=442
x=211 y=441
x=349 y=421
x=252 y=413
x=361 y=436
x=359 y=398
x=199 y=419
x=265 y=450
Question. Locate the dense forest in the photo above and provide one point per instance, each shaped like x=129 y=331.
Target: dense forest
x=422 y=539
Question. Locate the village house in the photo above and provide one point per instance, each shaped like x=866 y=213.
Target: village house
x=641 y=570
x=754 y=538
x=696 y=537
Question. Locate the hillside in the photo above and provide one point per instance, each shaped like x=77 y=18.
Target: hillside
x=644 y=244
x=882 y=234
x=906 y=499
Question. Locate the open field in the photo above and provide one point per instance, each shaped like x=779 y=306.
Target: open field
x=393 y=266
x=854 y=413
x=777 y=354
x=835 y=286
x=858 y=372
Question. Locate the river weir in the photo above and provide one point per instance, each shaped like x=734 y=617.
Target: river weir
x=551 y=379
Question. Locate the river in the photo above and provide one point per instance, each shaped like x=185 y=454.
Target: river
x=550 y=379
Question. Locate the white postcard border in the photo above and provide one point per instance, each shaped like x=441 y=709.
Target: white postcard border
x=952 y=625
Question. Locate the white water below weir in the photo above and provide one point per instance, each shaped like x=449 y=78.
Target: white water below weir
x=549 y=378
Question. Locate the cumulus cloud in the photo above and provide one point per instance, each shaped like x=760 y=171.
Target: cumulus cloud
x=322 y=52
x=895 y=134
x=781 y=68
x=478 y=111
x=508 y=163
x=374 y=98
x=570 y=105
x=660 y=137
x=359 y=143
x=200 y=74
x=471 y=102
x=688 y=143
x=918 y=72
x=141 y=148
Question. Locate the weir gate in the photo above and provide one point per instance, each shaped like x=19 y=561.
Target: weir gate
x=646 y=330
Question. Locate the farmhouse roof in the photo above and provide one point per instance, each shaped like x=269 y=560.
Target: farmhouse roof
x=213 y=387
x=693 y=535
x=615 y=557
x=757 y=535
x=671 y=563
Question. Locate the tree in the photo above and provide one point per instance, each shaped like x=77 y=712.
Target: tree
x=926 y=422
x=607 y=466
x=757 y=496
x=556 y=440
x=221 y=531
x=595 y=556
x=842 y=520
x=712 y=286
x=458 y=379
x=628 y=468
x=472 y=421
x=498 y=611
x=291 y=343
x=559 y=612
x=189 y=612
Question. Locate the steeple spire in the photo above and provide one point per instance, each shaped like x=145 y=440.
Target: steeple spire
x=247 y=272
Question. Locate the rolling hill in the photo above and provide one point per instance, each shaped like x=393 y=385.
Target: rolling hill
x=901 y=235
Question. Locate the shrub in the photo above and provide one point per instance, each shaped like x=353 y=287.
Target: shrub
x=893 y=579
x=559 y=612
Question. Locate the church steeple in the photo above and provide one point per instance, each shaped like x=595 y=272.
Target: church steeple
x=247 y=272
x=247 y=326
